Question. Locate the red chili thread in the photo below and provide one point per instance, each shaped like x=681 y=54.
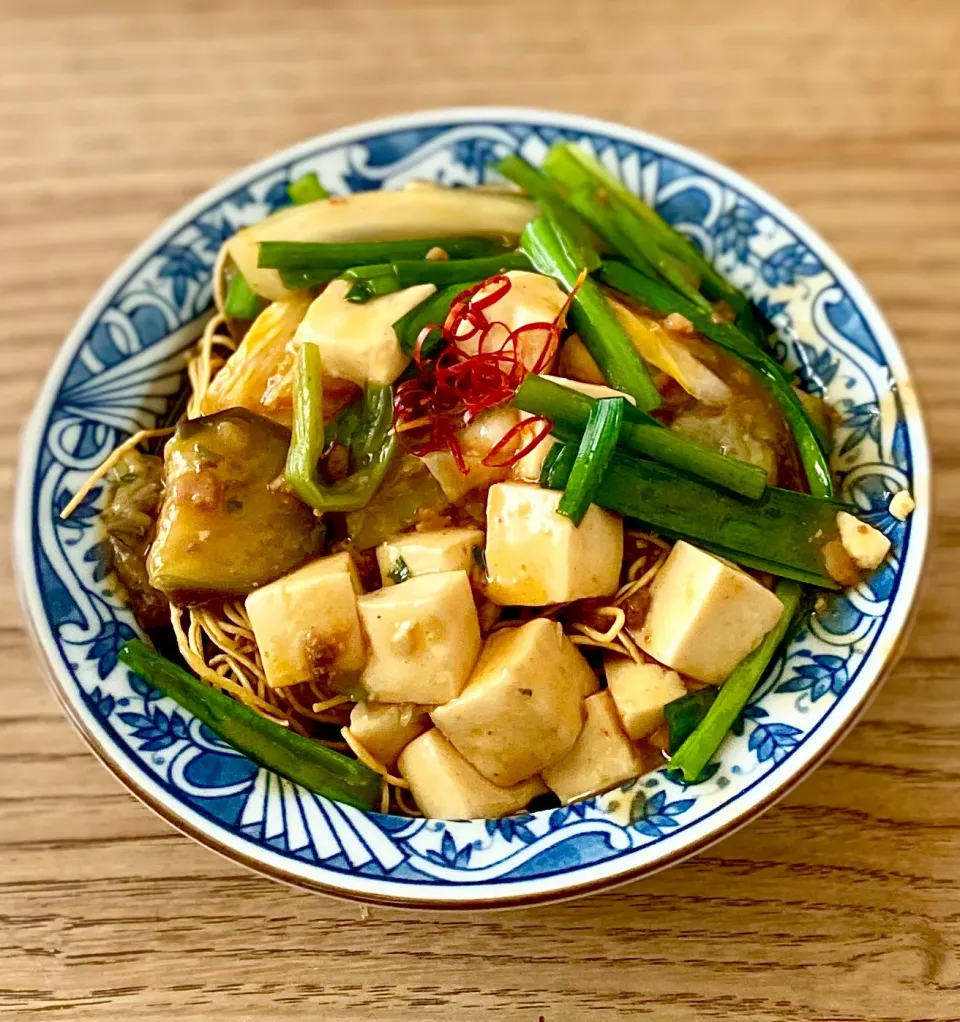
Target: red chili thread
x=455 y=385
x=545 y=426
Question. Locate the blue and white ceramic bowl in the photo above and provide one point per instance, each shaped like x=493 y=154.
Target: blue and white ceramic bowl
x=122 y=366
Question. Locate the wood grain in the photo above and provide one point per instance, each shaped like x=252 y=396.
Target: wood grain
x=844 y=902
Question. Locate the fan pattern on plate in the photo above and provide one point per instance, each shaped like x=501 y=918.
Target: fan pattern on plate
x=126 y=375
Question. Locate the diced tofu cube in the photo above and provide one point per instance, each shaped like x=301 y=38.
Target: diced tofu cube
x=306 y=624
x=385 y=729
x=420 y=553
x=705 y=615
x=356 y=340
x=602 y=756
x=476 y=441
x=535 y=556
x=424 y=638
x=522 y=708
x=640 y=692
x=445 y=786
x=595 y=390
x=902 y=505
x=865 y=544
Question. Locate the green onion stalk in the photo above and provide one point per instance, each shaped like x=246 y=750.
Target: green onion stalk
x=372 y=446
x=572 y=168
x=306 y=188
x=612 y=217
x=781 y=533
x=301 y=760
x=242 y=302
x=557 y=254
x=385 y=278
x=569 y=410
x=432 y=312
x=305 y=264
x=597 y=445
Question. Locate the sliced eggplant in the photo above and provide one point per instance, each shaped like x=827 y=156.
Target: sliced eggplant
x=228 y=524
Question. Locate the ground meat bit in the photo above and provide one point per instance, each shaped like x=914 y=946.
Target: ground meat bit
x=635 y=608
x=337 y=463
x=675 y=321
x=723 y=313
x=322 y=654
x=430 y=519
x=201 y=489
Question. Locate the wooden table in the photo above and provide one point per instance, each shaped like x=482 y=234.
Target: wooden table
x=843 y=902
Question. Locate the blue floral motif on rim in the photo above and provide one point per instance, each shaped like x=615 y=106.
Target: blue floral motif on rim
x=126 y=373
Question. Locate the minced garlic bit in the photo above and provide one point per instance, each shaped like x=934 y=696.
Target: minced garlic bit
x=865 y=544
x=902 y=505
x=679 y=323
x=437 y=254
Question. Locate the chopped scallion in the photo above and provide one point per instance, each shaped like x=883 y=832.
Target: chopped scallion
x=306 y=188
x=597 y=445
x=242 y=302
x=302 y=760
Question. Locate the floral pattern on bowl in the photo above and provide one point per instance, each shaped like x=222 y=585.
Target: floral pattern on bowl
x=121 y=370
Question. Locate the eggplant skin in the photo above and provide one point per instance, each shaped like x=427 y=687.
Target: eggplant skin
x=228 y=524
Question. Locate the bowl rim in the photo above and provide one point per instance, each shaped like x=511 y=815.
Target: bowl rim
x=605 y=874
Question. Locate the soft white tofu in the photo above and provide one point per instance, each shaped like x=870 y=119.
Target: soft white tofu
x=424 y=638
x=532 y=298
x=445 y=786
x=705 y=615
x=536 y=556
x=865 y=544
x=385 y=729
x=902 y=505
x=640 y=692
x=522 y=708
x=420 y=553
x=306 y=624
x=476 y=441
x=356 y=339
x=601 y=757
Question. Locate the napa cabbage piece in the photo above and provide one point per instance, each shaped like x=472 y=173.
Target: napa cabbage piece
x=225 y=526
x=727 y=433
x=259 y=374
x=422 y=212
x=656 y=346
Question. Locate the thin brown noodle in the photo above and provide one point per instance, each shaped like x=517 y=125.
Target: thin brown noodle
x=641 y=571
